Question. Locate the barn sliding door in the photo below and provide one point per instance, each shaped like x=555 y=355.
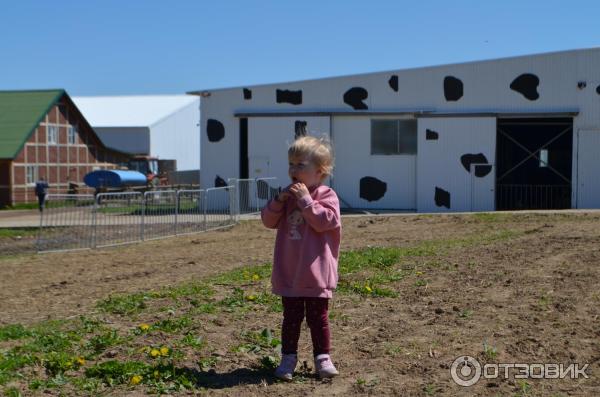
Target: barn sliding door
x=455 y=164
x=588 y=189
x=269 y=139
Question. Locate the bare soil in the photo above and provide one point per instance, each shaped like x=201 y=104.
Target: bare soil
x=531 y=298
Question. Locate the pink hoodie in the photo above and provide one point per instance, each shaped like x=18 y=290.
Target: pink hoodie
x=307 y=244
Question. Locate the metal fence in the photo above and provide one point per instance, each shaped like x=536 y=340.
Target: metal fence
x=253 y=194
x=536 y=197
x=71 y=222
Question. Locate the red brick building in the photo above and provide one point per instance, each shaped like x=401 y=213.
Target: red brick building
x=44 y=135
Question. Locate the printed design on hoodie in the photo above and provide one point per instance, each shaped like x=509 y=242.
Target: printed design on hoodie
x=295 y=219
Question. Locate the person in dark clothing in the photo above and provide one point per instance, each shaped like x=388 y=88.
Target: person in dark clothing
x=41 y=188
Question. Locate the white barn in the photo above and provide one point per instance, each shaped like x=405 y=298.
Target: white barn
x=163 y=126
x=513 y=133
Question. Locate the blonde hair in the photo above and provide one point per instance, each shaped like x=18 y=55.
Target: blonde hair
x=318 y=150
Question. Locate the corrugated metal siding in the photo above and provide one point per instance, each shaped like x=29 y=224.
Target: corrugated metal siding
x=439 y=163
x=268 y=142
x=588 y=169
x=352 y=139
x=176 y=137
x=220 y=158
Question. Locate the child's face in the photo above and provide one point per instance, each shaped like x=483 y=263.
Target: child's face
x=303 y=170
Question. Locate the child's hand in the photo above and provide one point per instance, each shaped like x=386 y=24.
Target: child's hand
x=283 y=196
x=299 y=190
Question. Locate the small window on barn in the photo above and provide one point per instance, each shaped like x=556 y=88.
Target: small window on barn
x=391 y=137
x=52 y=134
x=31 y=174
x=72 y=134
x=544 y=158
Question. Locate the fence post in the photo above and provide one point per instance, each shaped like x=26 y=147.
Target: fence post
x=232 y=204
x=94 y=221
x=254 y=182
x=39 y=236
x=204 y=205
x=142 y=222
x=176 y=209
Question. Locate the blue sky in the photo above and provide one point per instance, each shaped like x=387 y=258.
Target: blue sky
x=127 y=47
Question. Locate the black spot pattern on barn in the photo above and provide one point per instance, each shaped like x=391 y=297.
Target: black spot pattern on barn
x=355 y=97
x=431 y=135
x=247 y=94
x=288 y=96
x=453 y=88
x=299 y=129
x=220 y=182
x=215 y=130
x=393 y=82
x=482 y=170
x=468 y=159
x=598 y=90
x=442 y=198
x=372 y=189
x=526 y=85
x=264 y=191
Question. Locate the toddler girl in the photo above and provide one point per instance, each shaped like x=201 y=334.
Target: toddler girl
x=306 y=215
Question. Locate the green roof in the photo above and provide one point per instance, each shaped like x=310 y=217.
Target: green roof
x=20 y=114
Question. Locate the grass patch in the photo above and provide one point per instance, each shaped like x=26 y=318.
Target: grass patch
x=242 y=276
x=255 y=342
x=20 y=206
x=13 y=331
x=18 y=232
x=124 y=304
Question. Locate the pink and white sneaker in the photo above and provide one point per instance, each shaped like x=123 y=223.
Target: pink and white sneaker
x=286 y=368
x=324 y=366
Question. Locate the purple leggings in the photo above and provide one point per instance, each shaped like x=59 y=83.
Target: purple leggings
x=316 y=317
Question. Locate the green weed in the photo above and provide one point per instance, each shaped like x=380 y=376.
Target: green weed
x=489 y=352
x=99 y=343
x=172 y=325
x=13 y=331
x=124 y=304
x=257 y=341
x=193 y=341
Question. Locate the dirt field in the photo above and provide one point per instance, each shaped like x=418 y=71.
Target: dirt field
x=499 y=287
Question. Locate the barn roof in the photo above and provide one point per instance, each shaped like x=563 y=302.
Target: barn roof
x=131 y=111
x=20 y=114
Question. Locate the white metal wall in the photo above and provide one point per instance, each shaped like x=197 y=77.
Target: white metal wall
x=268 y=142
x=352 y=143
x=134 y=140
x=176 y=137
x=439 y=163
x=220 y=158
x=588 y=169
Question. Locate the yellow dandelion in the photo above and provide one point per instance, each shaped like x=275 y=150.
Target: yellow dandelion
x=144 y=327
x=255 y=277
x=80 y=360
x=251 y=297
x=135 y=379
x=155 y=353
x=164 y=351
x=419 y=273
x=368 y=289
